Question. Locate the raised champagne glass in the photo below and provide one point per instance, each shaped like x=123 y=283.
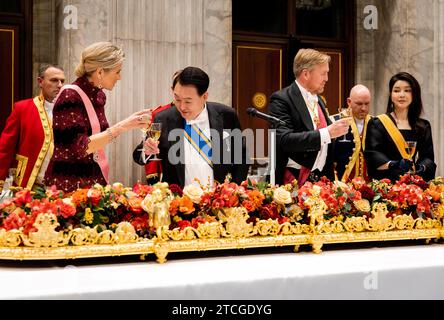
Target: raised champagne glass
x=410 y=149
x=345 y=114
x=153 y=132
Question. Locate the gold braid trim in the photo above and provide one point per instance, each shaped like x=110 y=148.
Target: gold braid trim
x=357 y=159
x=48 y=143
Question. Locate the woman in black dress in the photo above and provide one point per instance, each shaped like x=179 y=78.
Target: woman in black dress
x=387 y=136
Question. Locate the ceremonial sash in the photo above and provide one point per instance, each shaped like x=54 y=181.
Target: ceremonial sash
x=99 y=155
x=200 y=142
x=304 y=172
x=395 y=134
x=355 y=159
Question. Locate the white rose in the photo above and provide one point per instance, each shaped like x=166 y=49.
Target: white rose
x=193 y=192
x=282 y=196
x=316 y=191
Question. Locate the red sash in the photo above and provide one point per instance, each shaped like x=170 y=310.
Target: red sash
x=304 y=172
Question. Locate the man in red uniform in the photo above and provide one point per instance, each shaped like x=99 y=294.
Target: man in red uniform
x=26 y=142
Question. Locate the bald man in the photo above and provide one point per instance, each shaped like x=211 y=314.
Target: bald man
x=349 y=149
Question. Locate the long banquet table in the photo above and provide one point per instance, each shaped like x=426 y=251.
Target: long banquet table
x=408 y=271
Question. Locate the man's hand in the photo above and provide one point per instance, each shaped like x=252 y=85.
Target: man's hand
x=151 y=147
x=339 y=128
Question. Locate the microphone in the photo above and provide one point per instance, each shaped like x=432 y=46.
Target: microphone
x=254 y=113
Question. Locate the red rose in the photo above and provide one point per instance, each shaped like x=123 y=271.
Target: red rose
x=95 y=196
x=142 y=190
x=232 y=201
x=184 y=224
x=218 y=203
x=269 y=211
x=29 y=227
x=196 y=221
x=367 y=193
x=176 y=189
x=15 y=220
x=23 y=197
x=140 y=223
x=283 y=220
x=65 y=210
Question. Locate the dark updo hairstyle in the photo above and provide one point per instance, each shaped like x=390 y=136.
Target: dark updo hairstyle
x=415 y=108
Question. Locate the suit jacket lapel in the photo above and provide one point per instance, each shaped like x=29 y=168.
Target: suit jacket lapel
x=177 y=122
x=324 y=110
x=299 y=102
x=216 y=123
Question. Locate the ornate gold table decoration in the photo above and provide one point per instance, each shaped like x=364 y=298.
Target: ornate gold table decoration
x=161 y=219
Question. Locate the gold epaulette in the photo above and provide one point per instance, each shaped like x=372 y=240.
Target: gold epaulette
x=152 y=175
x=2 y=183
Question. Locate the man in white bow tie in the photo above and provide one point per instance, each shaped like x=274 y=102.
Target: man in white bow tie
x=304 y=144
x=199 y=139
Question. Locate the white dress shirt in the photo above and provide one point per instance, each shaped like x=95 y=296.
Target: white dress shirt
x=319 y=164
x=360 y=125
x=49 y=106
x=195 y=165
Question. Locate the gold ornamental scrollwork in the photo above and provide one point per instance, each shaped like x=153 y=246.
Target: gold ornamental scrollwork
x=259 y=100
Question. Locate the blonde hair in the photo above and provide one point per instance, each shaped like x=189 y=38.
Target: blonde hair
x=99 y=55
x=307 y=59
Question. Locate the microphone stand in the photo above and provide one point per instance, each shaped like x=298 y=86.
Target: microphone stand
x=272 y=152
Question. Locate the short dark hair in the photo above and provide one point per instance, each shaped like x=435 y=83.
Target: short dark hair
x=46 y=66
x=193 y=76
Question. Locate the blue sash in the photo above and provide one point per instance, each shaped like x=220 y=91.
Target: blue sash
x=200 y=142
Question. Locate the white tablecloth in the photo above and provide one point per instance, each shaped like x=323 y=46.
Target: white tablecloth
x=403 y=272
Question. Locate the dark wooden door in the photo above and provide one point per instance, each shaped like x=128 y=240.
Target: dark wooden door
x=15 y=54
x=328 y=26
x=260 y=72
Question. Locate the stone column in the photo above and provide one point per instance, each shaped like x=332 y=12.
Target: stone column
x=410 y=37
x=44 y=37
x=158 y=37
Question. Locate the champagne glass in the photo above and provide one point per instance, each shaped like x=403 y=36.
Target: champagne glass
x=345 y=114
x=410 y=149
x=153 y=132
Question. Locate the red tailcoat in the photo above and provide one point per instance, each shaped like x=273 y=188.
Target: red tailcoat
x=25 y=141
x=153 y=169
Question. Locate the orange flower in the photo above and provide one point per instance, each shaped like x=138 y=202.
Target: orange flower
x=186 y=206
x=183 y=205
x=256 y=197
x=79 y=196
x=249 y=205
x=174 y=207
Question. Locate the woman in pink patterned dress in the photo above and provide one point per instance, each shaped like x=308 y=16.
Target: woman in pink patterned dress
x=81 y=130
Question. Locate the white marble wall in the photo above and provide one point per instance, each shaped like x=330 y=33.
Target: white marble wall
x=410 y=37
x=44 y=36
x=158 y=37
